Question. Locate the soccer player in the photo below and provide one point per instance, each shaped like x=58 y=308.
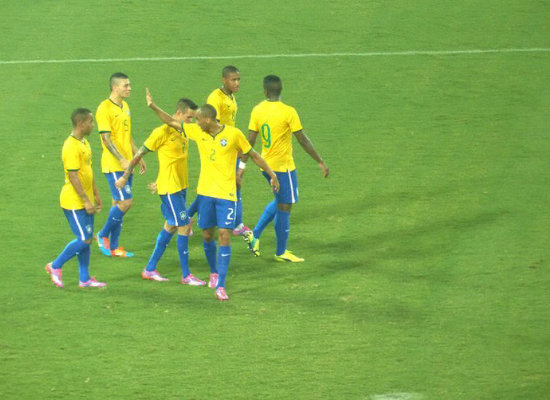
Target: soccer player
x=224 y=101
x=79 y=200
x=114 y=126
x=276 y=122
x=172 y=182
x=218 y=147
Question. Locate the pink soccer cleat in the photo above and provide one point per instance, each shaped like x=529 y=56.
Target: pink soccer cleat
x=221 y=295
x=213 y=281
x=240 y=230
x=92 y=282
x=153 y=276
x=192 y=281
x=55 y=275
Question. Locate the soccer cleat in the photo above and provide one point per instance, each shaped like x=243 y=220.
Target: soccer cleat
x=192 y=281
x=287 y=256
x=55 y=275
x=213 y=281
x=240 y=230
x=153 y=276
x=221 y=295
x=92 y=282
x=120 y=252
x=253 y=243
x=104 y=245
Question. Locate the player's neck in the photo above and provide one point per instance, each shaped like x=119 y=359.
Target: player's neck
x=78 y=135
x=274 y=98
x=226 y=91
x=116 y=99
x=215 y=129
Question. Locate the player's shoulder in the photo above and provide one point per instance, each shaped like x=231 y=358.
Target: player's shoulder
x=214 y=95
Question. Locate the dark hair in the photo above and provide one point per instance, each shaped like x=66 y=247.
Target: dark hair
x=185 y=104
x=79 y=115
x=115 y=77
x=208 y=111
x=229 y=69
x=273 y=85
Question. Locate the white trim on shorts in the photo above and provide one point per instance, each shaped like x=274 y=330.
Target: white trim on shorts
x=119 y=190
x=172 y=208
x=291 y=187
x=82 y=236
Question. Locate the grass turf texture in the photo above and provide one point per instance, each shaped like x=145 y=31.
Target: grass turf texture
x=426 y=250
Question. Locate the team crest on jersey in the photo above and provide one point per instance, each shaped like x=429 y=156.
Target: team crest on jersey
x=127 y=189
x=89 y=229
x=223 y=142
x=183 y=215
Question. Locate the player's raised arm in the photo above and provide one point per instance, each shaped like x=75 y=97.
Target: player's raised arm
x=163 y=115
x=308 y=147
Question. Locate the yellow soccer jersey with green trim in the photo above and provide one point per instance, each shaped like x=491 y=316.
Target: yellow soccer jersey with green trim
x=76 y=156
x=110 y=117
x=218 y=159
x=226 y=107
x=172 y=149
x=276 y=122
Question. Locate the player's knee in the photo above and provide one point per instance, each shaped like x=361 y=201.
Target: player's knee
x=224 y=237
x=184 y=230
x=125 y=205
x=208 y=235
x=169 y=228
x=284 y=207
x=88 y=241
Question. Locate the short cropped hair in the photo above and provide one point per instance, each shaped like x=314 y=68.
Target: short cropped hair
x=186 y=104
x=273 y=85
x=229 y=69
x=207 y=111
x=115 y=78
x=79 y=115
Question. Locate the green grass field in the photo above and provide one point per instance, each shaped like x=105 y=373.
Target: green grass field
x=427 y=253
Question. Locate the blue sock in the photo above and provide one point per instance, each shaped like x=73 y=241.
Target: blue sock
x=210 y=252
x=183 y=251
x=114 y=218
x=267 y=216
x=84 y=263
x=115 y=235
x=224 y=256
x=239 y=211
x=282 y=227
x=163 y=239
x=192 y=210
x=68 y=252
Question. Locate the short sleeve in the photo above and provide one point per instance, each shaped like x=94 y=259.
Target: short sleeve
x=155 y=139
x=192 y=131
x=294 y=121
x=214 y=101
x=103 y=119
x=71 y=157
x=242 y=143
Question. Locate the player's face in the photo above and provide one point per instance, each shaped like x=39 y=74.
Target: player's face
x=232 y=82
x=88 y=125
x=185 y=117
x=122 y=88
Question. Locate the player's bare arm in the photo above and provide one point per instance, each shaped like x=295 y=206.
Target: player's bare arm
x=98 y=203
x=244 y=158
x=106 y=136
x=260 y=162
x=164 y=116
x=138 y=158
x=75 y=181
x=308 y=147
x=142 y=165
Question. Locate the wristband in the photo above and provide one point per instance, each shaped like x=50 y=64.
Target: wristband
x=242 y=165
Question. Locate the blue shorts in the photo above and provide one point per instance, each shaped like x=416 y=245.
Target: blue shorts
x=173 y=208
x=216 y=212
x=288 y=187
x=82 y=223
x=119 y=194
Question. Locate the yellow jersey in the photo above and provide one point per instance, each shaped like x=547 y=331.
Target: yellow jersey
x=226 y=107
x=276 y=122
x=172 y=148
x=218 y=156
x=76 y=156
x=110 y=117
